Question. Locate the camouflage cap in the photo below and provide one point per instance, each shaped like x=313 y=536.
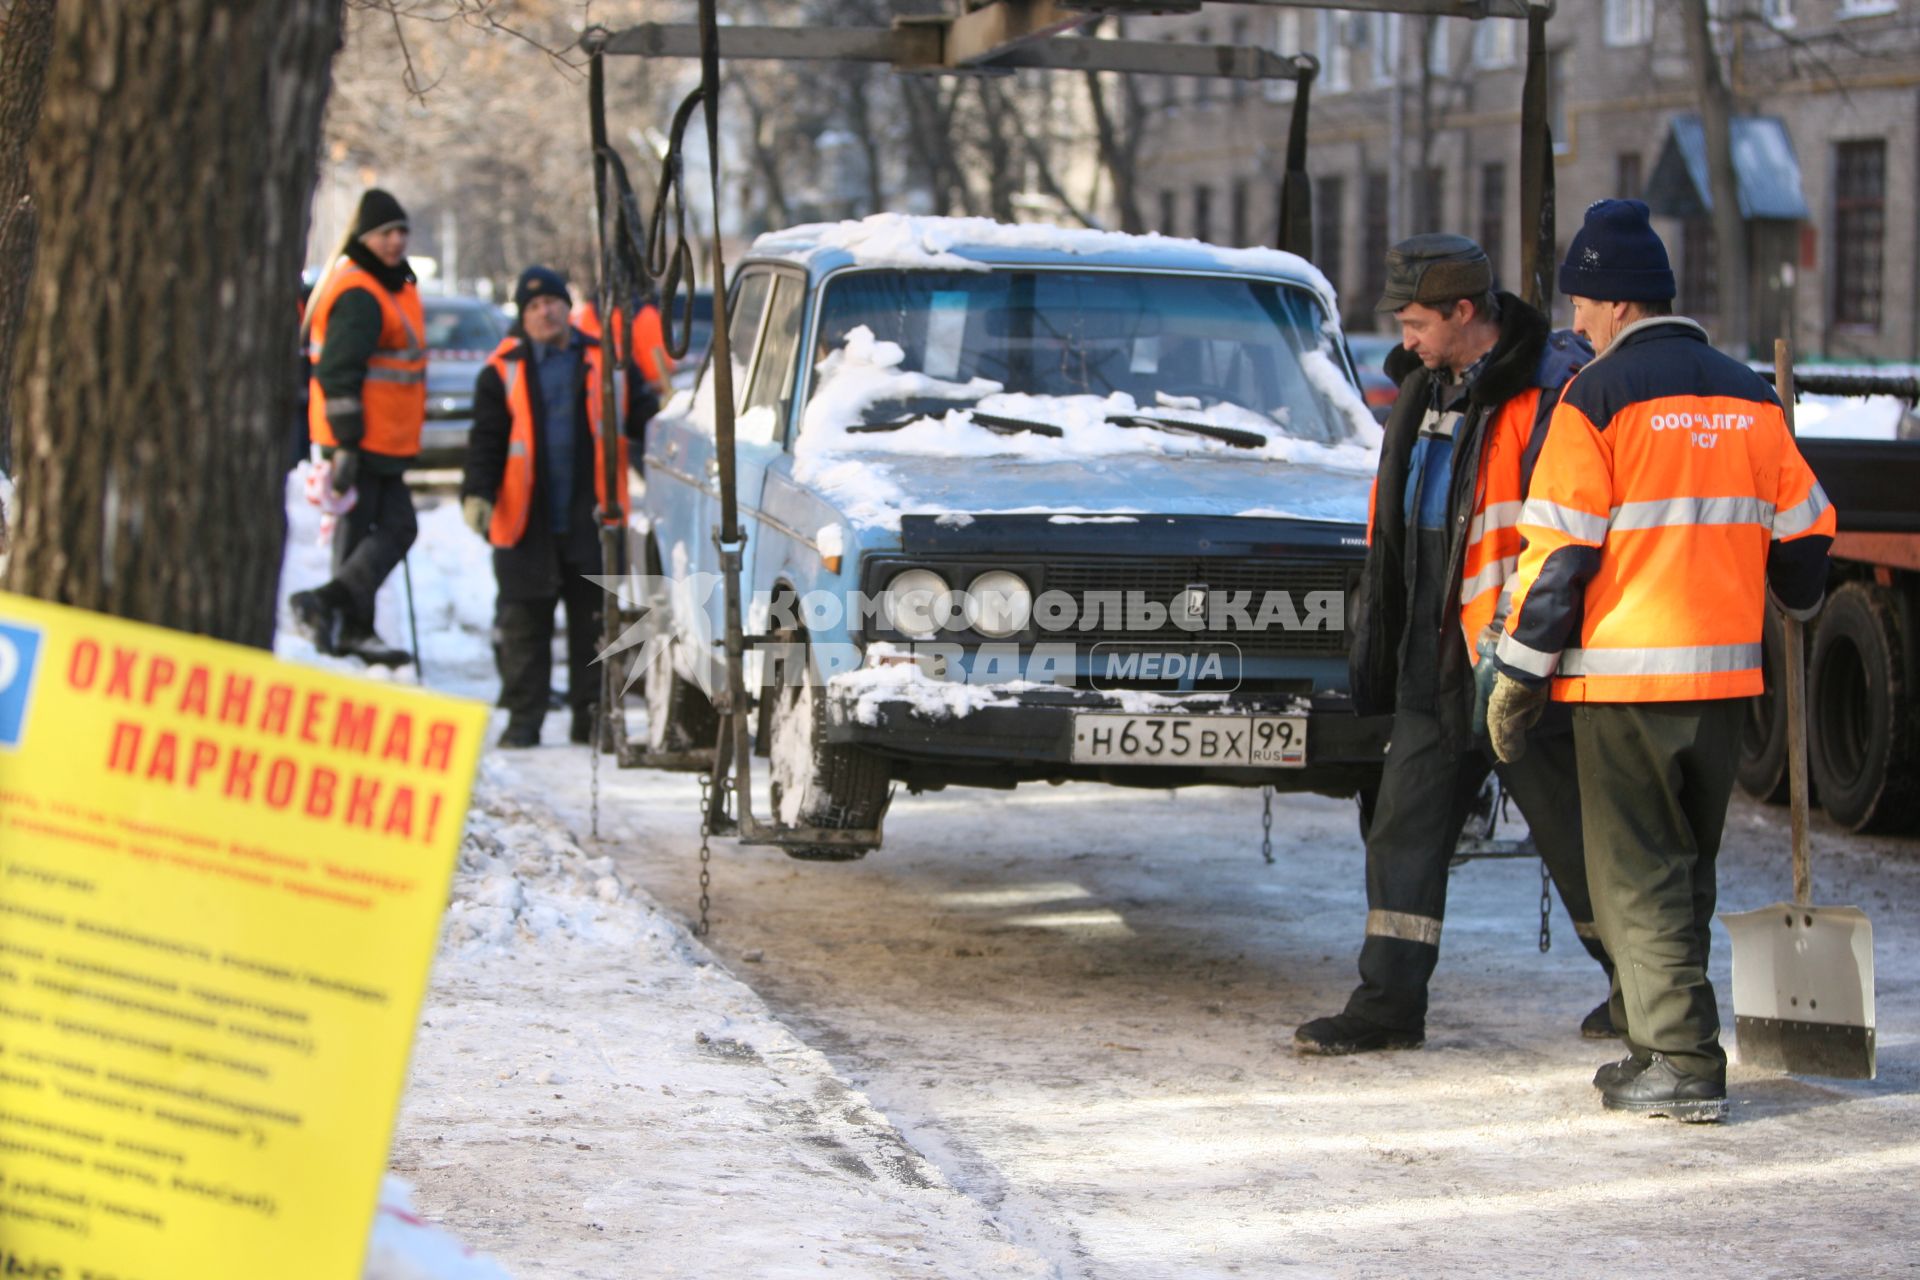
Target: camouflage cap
x=1433 y=268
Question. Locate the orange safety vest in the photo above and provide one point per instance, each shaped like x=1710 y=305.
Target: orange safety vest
x=1667 y=478
x=393 y=399
x=647 y=340
x=1493 y=532
x=514 y=503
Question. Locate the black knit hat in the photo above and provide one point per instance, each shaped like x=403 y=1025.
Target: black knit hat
x=378 y=211
x=540 y=282
x=1617 y=256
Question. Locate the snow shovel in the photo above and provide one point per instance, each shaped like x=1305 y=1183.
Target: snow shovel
x=1802 y=975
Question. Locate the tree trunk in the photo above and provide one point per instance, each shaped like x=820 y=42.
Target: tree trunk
x=1116 y=157
x=1729 y=228
x=25 y=37
x=174 y=167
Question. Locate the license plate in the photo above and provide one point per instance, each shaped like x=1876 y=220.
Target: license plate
x=1111 y=737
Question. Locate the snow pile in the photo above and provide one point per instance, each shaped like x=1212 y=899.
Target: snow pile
x=916 y=242
x=1849 y=417
x=521 y=881
x=865 y=692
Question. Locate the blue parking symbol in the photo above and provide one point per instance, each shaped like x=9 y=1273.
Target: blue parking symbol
x=19 y=651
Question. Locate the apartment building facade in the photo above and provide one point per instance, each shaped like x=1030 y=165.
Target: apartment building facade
x=1415 y=127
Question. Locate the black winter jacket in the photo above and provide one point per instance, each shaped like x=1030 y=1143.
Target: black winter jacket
x=1527 y=354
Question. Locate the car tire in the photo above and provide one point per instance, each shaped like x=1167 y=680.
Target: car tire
x=813 y=782
x=679 y=716
x=1863 y=740
x=1763 y=737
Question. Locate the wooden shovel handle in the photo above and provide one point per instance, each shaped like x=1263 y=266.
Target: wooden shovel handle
x=1796 y=677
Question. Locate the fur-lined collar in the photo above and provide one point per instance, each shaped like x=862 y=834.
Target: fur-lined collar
x=1515 y=360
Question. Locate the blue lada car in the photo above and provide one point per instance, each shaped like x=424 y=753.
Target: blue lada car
x=1020 y=504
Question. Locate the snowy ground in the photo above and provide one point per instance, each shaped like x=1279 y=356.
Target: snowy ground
x=1045 y=1034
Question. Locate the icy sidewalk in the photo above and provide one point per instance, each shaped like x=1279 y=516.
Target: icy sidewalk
x=593 y=1095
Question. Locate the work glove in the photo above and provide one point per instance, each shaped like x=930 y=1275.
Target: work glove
x=477 y=512
x=1513 y=709
x=346 y=469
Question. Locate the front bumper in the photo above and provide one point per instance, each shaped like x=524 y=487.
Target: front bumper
x=1028 y=737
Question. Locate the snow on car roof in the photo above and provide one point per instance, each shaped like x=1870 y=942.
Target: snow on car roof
x=973 y=244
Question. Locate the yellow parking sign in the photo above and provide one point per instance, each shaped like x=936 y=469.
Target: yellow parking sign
x=221 y=881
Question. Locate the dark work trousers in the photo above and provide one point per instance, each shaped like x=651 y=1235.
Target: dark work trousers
x=1426 y=791
x=371 y=539
x=1654 y=785
x=523 y=645
x=1427 y=787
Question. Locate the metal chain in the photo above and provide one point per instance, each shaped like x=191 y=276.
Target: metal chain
x=1546 y=908
x=1266 y=824
x=595 y=791
x=706 y=857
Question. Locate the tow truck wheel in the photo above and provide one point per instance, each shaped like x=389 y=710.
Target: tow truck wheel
x=1763 y=738
x=1863 y=741
x=813 y=782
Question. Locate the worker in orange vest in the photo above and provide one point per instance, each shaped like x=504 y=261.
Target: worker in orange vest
x=1669 y=501
x=367 y=401
x=1479 y=374
x=535 y=476
x=646 y=355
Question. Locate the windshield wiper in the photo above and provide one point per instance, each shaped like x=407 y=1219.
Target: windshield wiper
x=991 y=421
x=1231 y=435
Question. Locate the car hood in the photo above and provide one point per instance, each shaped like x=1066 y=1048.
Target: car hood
x=878 y=490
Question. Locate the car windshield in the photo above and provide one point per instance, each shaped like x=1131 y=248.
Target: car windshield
x=1181 y=350
x=456 y=327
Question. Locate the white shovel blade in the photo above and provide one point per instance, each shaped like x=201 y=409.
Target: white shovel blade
x=1803 y=989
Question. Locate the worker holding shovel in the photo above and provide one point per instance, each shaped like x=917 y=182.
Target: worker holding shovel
x=1668 y=500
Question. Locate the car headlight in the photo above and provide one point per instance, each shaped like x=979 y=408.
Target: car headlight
x=916 y=603
x=998 y=604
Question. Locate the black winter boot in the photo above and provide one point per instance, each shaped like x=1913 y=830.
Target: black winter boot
x=1662 y=1089
x=1618 y=1073
x=320 y=614
x=1343 y=1033
x=521 y=731
x=1598 y=1025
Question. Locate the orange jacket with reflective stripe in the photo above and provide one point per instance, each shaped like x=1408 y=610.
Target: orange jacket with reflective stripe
x=514 y=501
x=1668 y=497
x=393 y=398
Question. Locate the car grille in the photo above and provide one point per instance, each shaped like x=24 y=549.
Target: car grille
x=1166 y=580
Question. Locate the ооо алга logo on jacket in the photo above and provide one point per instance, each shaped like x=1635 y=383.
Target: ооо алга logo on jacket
x=19 y=651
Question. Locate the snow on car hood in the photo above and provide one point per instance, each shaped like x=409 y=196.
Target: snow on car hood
x=948 y=464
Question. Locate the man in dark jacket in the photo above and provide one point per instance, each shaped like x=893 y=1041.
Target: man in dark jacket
x=367 y=402
x=536 y=469
x=1479 y=374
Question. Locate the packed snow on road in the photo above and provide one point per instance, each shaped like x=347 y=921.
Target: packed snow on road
x=1046 y=1033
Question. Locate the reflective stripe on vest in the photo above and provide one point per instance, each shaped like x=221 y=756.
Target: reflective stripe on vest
x=1664 y=513
x=1674 y=660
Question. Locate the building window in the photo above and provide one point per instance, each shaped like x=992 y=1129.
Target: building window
x=1237 y=212
x=1329 y=225
x=1777 y=13
x=1493 y=213
x=1628 y=21
x=1384 y=35
x=1866 y=8
x=1336 y=58
x=1236 y=87
x=1429 y=199
x=1203 y=213
x=1439 y=46
x=1286 y=43
x=1627 y=181
x=1166 y=213
x=1557 y=100
x=1859 y=231
x=1496 y=42
x=1699 y=268
x=1373 y=239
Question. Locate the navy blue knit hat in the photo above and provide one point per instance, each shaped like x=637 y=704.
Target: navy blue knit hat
x=1617 y=257
x=540 y=282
